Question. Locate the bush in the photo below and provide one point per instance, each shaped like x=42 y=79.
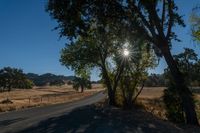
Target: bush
x=6 y=101
x=173 y=105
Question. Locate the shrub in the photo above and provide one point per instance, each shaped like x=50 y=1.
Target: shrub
x=6 y=101
x=173 y=105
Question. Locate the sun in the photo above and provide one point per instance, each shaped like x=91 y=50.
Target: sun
x=126 y=52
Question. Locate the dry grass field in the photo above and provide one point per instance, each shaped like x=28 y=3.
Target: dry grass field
x=40 y=96
x=151 y=99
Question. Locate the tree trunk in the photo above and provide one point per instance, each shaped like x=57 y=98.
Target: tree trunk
x=82 y=88
x=183 y=90
x=111 y=92
x=111 y=95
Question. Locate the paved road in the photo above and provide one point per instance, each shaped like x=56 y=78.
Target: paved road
x=16 y=121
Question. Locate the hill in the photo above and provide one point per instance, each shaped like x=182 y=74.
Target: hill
x=49 y=79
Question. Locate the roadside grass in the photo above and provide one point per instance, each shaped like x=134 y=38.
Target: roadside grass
x=151 y=98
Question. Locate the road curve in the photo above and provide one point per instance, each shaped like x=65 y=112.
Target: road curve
x=16 y=121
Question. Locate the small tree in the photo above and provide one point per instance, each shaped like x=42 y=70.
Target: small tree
x=82 y=80
x=173 y=104
x=82 y=83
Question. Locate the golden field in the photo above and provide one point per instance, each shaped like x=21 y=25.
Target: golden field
x=40 y=96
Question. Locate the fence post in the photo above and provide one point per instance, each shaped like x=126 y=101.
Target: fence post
x=29 y=100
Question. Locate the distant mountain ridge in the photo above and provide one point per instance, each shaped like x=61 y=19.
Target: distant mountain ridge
x=48 y=78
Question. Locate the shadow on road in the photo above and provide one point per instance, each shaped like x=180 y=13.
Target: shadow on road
x=9 y=122
x=89 y=119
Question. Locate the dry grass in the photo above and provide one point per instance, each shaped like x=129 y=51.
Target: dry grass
x=151 y=99
x=151 y=92
x=40 y=96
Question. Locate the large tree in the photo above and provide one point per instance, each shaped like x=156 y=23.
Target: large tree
x=92 y=37
x=153 y=19
x=13 y=78
x=93 y=51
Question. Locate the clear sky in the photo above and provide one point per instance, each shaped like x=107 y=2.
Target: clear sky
x=28 y=42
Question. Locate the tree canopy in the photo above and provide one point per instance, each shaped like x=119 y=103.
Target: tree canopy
x=13 y=78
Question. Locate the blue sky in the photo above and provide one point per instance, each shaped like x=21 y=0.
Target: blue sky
x=28 y=42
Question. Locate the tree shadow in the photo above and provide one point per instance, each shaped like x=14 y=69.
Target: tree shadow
x=89 y=119
x=9 y=122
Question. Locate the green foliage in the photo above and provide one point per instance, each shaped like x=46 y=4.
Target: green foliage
x=82 y=83
x=189 y=65
x=13 y=78
x=173 y=105
x=195 y=23
x=156 y=80
x=57 y=83
x=135 y=72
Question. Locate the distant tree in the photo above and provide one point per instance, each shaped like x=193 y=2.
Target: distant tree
x=156 y=80
x=83 y=81
x=56 y=83
x=13 y=78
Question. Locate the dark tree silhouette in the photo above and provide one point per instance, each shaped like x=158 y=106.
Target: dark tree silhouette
x=155 y=20
x=13 y=78
x=82 y=83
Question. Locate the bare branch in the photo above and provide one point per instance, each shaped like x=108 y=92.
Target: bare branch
x=142 y=17
x=139 y=92
x=170 y=11
x=163 y=13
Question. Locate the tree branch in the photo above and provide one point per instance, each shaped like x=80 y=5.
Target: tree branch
x=170 y=11
x=163 y=14
x=144 y=21
x=139 y=92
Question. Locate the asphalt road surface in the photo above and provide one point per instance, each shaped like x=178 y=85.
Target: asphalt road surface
x=16 y=121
